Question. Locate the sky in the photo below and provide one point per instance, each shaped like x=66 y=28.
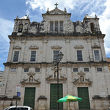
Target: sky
x=9 y=9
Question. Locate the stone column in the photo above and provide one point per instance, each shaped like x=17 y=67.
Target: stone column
x=10 y=53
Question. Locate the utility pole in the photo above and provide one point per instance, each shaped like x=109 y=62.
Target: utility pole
x=58 y=58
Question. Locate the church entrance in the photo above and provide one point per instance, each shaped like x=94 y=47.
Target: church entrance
x=54 y=96
x=84 y=94
x=29 y=96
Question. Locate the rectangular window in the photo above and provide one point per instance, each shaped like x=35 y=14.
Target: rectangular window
x=16 y=56
x=51 y=26
x=99 y=69
x=61 y=26
x=96 y=55
x=37 y=69
x=75 y=69
x=26 y=69
x=56 y=26
x=86 y=69
x=55 y=55
x=33 y=56
x=79 y=55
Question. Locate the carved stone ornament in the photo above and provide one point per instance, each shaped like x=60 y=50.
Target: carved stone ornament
x=30 y=80
x=54 y=78
x=81 y=80
x=79 y=47
x=33 y=47
x=81 y=73
x=16 y=47
x=95 y=46
x=56 y=47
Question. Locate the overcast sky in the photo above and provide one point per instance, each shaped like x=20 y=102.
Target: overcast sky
x=9 y=9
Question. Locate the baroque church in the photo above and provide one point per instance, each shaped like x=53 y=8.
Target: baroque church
x=31 y=78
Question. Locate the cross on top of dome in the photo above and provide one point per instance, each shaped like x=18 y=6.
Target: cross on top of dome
x=56 y=4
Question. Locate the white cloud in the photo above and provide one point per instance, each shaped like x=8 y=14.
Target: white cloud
x=107 y=49
x=44 y=4
x=83 y=5
x=6 y=28
x=105 y=26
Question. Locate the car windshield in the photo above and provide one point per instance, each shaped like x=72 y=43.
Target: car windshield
x=20 y=108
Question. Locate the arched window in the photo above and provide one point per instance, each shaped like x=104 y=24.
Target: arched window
x=20 y=28
x=92 y=27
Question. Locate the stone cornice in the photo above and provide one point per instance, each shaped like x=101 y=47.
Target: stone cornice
x=55 y=14
x=91 y=18
x=51 y=35
x=90 y=63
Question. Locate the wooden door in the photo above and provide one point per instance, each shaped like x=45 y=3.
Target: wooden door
x=29 y=96
x=84 y=94
x=54 y=96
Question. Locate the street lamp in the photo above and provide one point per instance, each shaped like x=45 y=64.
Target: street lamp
x=57 y=59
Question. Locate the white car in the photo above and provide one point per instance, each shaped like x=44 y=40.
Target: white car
x=18 y=108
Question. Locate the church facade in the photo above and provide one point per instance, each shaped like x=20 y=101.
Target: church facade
x=31 y=74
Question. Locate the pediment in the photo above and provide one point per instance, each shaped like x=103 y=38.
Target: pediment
x=81 y=73
x=79 y=82
x=79 y=47
x=56 y=11
x=33 y=47
x=56 y=47
x=95 y=46
x=16 y=47
x=52 y=78
x=30 y=80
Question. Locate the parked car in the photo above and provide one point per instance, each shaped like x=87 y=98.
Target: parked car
x=108 y=108
x=18 y=108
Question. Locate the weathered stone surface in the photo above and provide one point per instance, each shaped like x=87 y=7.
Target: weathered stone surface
x=57 y=15
x=37 y=37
